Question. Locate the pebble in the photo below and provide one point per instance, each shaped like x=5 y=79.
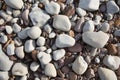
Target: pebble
x=50 y=70
x=64 y=40
x=61 y=22
x=58 y=54
x=2 y=21
x=41 y=41
x=52 y=8
x=37 y=78
x=89 y=5
x=113 y=62
x=44 y=58
x=11 y=49
x=17 y=41
x=29 y=46
x=89 y=26
x=16 y=28
x=44 y=1
x=34 y=32
x=65 y=69
x=111 y=49
x=79 y=65
x=16 y=4
x=34 y=66
x=112 y=7
x=14 y=20
x=80 y=11
x=48 y=28
x=52 y=35
x=16 y=13
x=117 y=32
x=23 y=78
x=4 y=75
x=49 y=50
x=95 y=39
x=72 y=76
x=39 y=17
x=25 y=16
x=42 y=48
x=19 y=52
x=8 y=29
x=3 y=38
x=76 y=48
x=23 y=34
x=6 y=64
x=105 y=27
x=106 y=74
x=19 y=69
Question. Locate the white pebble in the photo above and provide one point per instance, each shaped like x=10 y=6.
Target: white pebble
x=52 y=35
x=80 y=12
x=48 y=28
x=8 y=29
x=20 y=52
x=34 y=66
x=16 y=28
x=41 y=41
x=11 y=49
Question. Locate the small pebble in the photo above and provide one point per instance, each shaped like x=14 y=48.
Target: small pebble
x=58 y=54
x=17 y=41
x=11 y=49
x=117 y=32
x=8 y=29
x=3 y=38
x=64 y=40
x=41 y=41
x=23 y=78
x=49 y=50
x=42 y=48
x=16 y=28
x=52 y=35
x=80 y=12
x=97 y=60
x=105 y=27
x=16 y=13
x=50 y=70
x=34 y=66
x=2 y=21
x=4 y=75
x=19 y=52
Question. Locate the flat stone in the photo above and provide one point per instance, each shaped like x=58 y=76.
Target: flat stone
x=113 y=62
x=8 y=29
x=117 y=32
x=58 y=54
x=34 y=32
x=112 y=7
x=50 y=70
x=39 y=17
x=16 y=4
x=44 y=58
x=105 y=27
x=47 y=28
x=90 y=5
x=6 y=64
x=3 y=38
x=64 y=40
x=16 y=28
x=4 y=75
x=106 y=74
x=61 y=22
x=19 y=69
x=52 y=8
x=95 y=39
x=89 y=26
x=79 y=66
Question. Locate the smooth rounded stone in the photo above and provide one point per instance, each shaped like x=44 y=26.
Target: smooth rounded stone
x=42 y=48
x=34 y=32
x=52 y=35
x=17 y=41
x=106 y=74
x=16 y=13
x=105 y=27
x=23 y=78
x=16 y=4
x=23 y=34
x=48 y=28
x=97 y=60
x=29 y=46
x=49 y=50
x=52 y=8
x=113 y=62
x=44 y=1
x=80 y=11
x=4 y=75
x=117 y=32
x=44 y=58
x=41 y=41
x=16 y=28
x=19 y=69
x=2 y=21
x=34 y=66
x=79 y=65
x=39 y=17
x=112 y=7
x=3 y=38
x=89 y=26
x=58 y=54
x=20 y=52
x=8 y=29
x=95 y=39
x=50 y=70
x=25 y=16
x=61 y=22
x=6 y=64
x=64 y=40
x=11 y=49
x=76 y=48
x=9 y=10
x=90 y=5
x=14 y=20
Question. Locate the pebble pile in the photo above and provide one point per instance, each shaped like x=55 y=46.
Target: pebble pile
x=59 y=39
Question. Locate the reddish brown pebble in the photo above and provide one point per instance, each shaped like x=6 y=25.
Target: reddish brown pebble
x=34 y=55
x=76 y=48
x=118 y=71
x=90 y=73
x=111 y=49
x=72 y=76
x=65 y=69
x=117 y=22
x=71 y=33
x=13 y=58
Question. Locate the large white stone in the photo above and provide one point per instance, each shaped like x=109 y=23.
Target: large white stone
x=90 y=5
x=106 y=74
x=79 y=65
x=61 y=22
x=16 y=4
x=95 y=39
x=64 y=40
x=4 y=75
